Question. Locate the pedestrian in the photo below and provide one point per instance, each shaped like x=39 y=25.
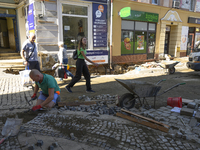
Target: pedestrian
x=50 y=93
x=81 y=67
x=62 y=57
x=29 y=53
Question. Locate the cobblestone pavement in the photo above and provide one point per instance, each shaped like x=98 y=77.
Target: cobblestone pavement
x=89 y=127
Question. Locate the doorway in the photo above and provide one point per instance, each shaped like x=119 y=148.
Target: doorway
x=8 y=31
x=167 y=37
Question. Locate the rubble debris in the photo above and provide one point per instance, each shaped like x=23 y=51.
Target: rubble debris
x=39 y=143
x=28 y=133
x=51 y=147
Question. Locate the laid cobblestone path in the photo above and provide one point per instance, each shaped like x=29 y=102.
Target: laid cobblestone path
x=13 y=95
x=94 y=125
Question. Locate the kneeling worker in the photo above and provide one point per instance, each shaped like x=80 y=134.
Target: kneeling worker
x=50 y=93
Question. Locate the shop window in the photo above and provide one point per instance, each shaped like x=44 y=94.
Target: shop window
x=192 y=5
x=138 y=39
x=73 y=29
x=140 y=25
x=74 y=10
x=127 y=42
x=152 y=26
x=75 y=24
x=127 y=25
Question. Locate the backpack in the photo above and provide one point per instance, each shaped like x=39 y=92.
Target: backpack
x=75 y=56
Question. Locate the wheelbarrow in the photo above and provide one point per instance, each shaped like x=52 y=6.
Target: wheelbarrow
x=140 y=90
x=169 y=66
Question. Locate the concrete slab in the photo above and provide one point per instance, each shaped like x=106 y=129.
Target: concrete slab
x=191 y=105
x=187 y=111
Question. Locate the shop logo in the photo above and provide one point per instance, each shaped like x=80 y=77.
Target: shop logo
x=98 y=14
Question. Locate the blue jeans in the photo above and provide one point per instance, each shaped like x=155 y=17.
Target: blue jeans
x=65 y=61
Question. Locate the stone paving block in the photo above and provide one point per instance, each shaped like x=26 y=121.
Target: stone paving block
x=187 y=111
x=197 y=116
x=193 y=122
x=191 y=105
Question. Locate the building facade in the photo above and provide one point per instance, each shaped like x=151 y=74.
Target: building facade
x=149 y=29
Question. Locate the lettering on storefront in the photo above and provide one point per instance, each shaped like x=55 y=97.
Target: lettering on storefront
x=142 y=16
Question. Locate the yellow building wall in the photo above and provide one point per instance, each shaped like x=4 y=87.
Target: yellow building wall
x=116 y=32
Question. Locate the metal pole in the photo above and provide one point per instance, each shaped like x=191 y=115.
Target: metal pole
x=111 y=22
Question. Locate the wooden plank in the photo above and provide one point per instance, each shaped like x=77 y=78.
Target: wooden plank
x=61 y=104
x=151 y=120
x=186 y=101
x=148 y=124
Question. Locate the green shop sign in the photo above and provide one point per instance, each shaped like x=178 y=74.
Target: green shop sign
x=142 y=16
x=125 y=12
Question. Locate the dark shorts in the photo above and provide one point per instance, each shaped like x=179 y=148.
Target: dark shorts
x=34 y=65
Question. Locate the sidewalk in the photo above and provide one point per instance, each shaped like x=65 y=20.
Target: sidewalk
x=88 y=127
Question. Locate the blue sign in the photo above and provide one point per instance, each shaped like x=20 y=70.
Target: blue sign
x=30 y=18
x=97 y=1
x=99 y=25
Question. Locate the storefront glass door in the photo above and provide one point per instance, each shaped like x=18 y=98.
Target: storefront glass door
x=151 y=45
x=75 y=24
x=140 y=42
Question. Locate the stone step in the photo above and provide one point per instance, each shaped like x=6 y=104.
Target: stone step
x=14 y=62
x=10 y=57
x=14 y=67
x=9 y=54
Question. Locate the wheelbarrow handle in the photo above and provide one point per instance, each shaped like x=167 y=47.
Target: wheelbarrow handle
x=171 y=88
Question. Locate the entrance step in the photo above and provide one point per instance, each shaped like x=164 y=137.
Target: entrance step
x=9 y=54
x=10 y=57
x=14 y=64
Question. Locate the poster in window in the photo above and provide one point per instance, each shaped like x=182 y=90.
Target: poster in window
x=184 y=38
x=185 y=4
x=140 y=42
x=198 y=6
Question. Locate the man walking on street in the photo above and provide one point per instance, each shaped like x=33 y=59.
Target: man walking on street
x=50 y=93
x=30 y=50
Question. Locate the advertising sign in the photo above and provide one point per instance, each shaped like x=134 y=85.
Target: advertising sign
x=140 y=42
x=99 y=25
x=184 y=38
x=142 y=16
x=30 y=17
x=97 y=56
x=97 y=1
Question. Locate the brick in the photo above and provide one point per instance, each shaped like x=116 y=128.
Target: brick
x=193 y=122
x=191 y=105
x=187 y=111
x=197 y=116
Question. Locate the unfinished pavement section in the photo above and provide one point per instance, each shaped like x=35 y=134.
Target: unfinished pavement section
x=103 y=131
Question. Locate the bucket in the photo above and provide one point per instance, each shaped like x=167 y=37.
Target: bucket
x=174 y=101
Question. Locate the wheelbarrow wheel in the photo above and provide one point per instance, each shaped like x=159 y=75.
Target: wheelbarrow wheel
x=127 y=100
x=171 y=70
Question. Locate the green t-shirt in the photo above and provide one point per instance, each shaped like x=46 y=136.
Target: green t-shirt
x=79 y=51
x=48 y=82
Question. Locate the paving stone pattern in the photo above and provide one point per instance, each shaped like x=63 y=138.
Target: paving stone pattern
x=13 y=95
x=94 y=130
